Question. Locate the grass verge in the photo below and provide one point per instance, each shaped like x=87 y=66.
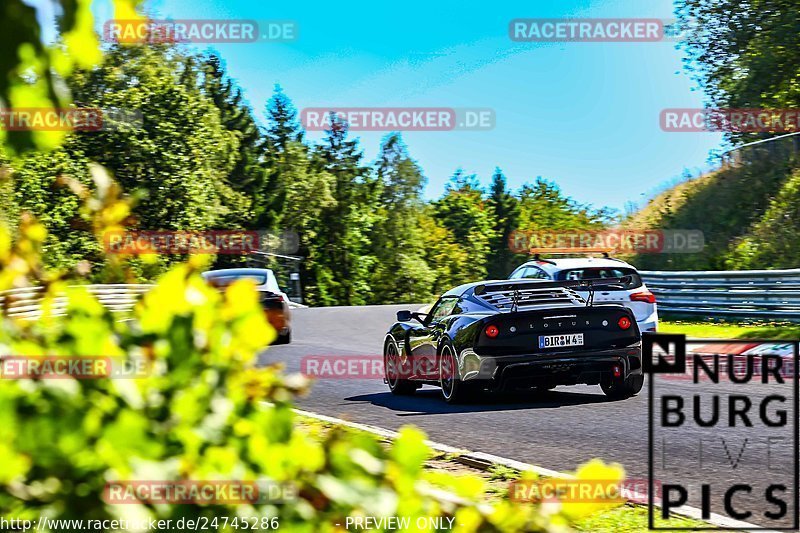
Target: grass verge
x=731 y=330
x=631 y=518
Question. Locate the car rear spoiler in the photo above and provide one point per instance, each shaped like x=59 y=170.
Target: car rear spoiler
x=589 y=285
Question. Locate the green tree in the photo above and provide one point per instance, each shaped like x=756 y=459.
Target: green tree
x=179 y=154
x=9 y=209
x=772 y=241
x=248 y=173
x=745 y=54
x=447 y=258
x=505 y=214
x=308 y=195
x=544 y=207
x=284 y=126
x=463 y=211
x=401 y=273
x=41 y=187
x=282 y=131
x=346 y=226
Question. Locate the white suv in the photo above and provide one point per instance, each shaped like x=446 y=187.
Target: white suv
x=635 y=296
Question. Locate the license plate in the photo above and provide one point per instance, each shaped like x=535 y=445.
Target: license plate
x=559 y=341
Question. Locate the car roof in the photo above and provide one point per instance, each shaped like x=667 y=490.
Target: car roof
x=461 y=290
x=568 y=263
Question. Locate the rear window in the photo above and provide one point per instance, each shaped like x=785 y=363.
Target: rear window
x=579 y=274
x=224 y=281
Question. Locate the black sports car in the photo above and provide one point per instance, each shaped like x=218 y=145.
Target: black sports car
x=516 y=334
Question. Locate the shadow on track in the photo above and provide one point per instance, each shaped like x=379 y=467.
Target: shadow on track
x=429 y=402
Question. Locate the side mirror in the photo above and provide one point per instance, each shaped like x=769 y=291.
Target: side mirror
x=406 y=316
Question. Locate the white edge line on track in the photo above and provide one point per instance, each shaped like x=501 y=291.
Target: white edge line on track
x=685 y=510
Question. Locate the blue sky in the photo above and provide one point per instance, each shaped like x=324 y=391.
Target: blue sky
x=585 y=115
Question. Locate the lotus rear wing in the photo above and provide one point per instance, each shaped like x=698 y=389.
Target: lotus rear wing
x=574 y=284
x=589 y=285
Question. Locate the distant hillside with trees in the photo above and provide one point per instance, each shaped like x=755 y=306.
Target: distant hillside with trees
x=743 y=55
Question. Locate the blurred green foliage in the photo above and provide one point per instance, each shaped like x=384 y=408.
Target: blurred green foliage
x=30 y=69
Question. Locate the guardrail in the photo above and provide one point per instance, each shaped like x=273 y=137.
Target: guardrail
x=763 y=294
x=26 y=302
x=118 y=298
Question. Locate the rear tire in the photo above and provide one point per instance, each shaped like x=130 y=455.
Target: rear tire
x=454 y=391
x=623 y=388
x=284 y=338
x=392 y=369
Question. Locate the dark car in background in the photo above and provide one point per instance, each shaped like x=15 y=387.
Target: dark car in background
x=516 y=334
x=272 y=298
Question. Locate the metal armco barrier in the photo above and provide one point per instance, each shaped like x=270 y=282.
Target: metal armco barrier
x=26 y=302
x=762 y=294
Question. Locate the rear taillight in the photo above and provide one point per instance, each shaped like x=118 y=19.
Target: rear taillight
x=624 y=322
x=492 y=331
x=643 y=296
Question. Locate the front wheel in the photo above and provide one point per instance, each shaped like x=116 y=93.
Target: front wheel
x=623 y=388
